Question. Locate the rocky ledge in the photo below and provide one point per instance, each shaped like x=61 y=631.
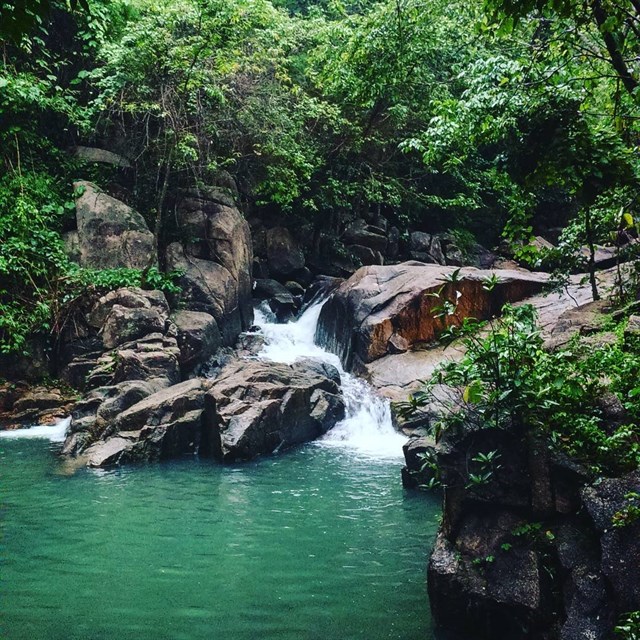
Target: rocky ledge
x=535 y=554
x=382 y=310
x=251 y=408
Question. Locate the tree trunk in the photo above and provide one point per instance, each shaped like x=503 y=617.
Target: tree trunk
x=592 y=253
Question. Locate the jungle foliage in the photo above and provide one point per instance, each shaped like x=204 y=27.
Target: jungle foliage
x=494 y=119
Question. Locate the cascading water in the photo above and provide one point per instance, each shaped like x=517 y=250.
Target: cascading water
x=367 y=427
x=54 y=433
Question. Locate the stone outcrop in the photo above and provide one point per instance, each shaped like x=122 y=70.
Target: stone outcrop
x=166 y=424
x=252 y=408
x=381 y=310
x=284 y=254
x=110 y=234
x=533 y=553
x=23 y=406
x=263 y=407
x=136 y=354
x=198 y=339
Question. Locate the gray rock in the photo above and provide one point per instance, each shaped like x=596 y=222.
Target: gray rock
x=284 y=254
x=263 y=407
x=129 y=297
x=111 y=234
x=426 y=248
x=211 y=222
x=93 y=154
x=198 y=338
x=366 y=235
x=211 y=288
x=123 y=325
x=279 y=298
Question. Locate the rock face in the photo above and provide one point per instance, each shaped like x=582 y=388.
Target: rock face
x=381 y=310
x=166 y=424
x=263 y=407
x=252 y=408
x=284 y=254
x=136 y=355
x=25 y=406
x=533 y=553
x=198 y=338
x=111 y=234
x=215 y=260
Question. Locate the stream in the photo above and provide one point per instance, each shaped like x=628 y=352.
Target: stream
x=317 y=543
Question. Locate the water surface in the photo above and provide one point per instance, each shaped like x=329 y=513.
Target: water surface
x=313 y=544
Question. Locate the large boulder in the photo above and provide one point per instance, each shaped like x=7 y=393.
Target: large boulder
x=211 y=288
x=166 y=424
x=365 y=315
x=111 y=234
x=262 y=407
x=215 y=230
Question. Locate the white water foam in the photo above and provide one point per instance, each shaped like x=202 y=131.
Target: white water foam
x=366 y=428
x=54 y=433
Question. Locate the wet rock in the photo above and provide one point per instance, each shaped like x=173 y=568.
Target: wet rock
x=479 y=591
x=611 y=502
x=284 y=254
x=111 y=235
x=198 y=338
x=166 y=424
x=25 y=406
x=261 y=408
x=417 y=452
x=294 y=288
x=278 y=297
x=378 y=303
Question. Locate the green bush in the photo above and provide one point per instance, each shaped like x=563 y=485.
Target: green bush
x=506 y=380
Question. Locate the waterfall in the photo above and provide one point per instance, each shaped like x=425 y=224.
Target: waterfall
x=54 y=433
x=366 y=428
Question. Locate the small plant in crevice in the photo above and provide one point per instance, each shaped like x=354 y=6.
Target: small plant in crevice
x=628 y=627
x=483 y=468
x=630 y=513
x=429 y=465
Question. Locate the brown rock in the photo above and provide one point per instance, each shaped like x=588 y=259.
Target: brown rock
x=377 y=303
